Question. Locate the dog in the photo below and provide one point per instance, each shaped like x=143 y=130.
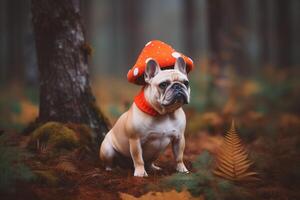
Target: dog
x=143 y=137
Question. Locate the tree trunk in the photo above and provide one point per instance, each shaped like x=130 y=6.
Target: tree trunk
x=65 y=92
x=294 y=17
x=202 y=34
x=15 y=38
x=189 y=26
x=3 y=41
x=131 y=28
x=283 y=31
x=269 y=33
x=253 y=39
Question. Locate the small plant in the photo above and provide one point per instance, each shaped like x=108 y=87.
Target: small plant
x=220 y=179
x=203 y=182
x=54 y=135
x=232 y=161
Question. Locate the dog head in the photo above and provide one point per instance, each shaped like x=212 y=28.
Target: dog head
x=167 y=90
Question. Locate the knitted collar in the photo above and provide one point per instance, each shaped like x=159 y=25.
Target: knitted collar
x=141 y=102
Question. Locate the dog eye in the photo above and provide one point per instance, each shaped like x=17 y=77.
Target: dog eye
x=164 y=84
x=186 y=83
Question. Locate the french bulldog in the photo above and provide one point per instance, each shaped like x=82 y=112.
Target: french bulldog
x=143 y=137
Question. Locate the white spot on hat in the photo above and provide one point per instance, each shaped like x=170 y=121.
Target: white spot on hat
x=148 y=60
x=176 y=54
x=148 y=43
x=135 y=71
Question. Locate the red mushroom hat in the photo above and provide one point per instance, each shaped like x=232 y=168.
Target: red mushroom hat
x=163 y=53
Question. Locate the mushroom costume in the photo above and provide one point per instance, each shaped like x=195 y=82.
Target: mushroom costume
x=166 y=57
x=163 y=53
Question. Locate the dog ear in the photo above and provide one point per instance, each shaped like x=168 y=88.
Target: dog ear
x=180 y=65
x=152 y=68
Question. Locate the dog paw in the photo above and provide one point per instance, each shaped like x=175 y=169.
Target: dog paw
x=181 y=168
x=155 y=168
x=140 y=172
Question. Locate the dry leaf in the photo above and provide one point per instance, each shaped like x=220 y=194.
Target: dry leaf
x=184 y=195
x=232 y=161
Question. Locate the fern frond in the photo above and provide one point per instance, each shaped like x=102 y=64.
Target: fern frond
x=232 y=160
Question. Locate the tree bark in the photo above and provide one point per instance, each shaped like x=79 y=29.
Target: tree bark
x=62 y=53
x=214 y=15
x=16 y=22
x=131 y=28
x=3 y=39
x=189 y=26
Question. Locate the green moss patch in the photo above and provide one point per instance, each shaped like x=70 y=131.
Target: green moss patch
x=54 y=135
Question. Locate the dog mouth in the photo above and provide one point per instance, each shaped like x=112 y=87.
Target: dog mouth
x=178 y=97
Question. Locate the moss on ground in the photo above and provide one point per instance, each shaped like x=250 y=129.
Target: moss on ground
x=55 y=135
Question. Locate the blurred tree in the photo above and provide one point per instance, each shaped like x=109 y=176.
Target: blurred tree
x=16 y=22
x=226 y=34
x=283 y=32
x=131 y=27
x=295 y=30
x=62 y=52
x=253 y=38
x=85 y=7
x=214 y=13
x=3 y=14
x=269 y=20
x=17 y=55
x=201 y=31
x=189 y=26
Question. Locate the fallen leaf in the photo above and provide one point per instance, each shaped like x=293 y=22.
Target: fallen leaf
x=174 y=195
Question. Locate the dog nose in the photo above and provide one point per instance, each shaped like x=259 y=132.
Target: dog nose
x=176 y=86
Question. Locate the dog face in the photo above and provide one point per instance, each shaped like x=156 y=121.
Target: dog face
x=168 y=89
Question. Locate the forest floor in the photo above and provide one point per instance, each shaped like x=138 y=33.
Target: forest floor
x=266 y=110
x=91 y=181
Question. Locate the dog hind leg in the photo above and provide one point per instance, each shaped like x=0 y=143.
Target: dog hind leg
x=107 y=153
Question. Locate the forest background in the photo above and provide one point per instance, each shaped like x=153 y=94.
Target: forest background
x=246 y=56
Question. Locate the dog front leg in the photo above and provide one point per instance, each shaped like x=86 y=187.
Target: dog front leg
x=178 y=145
x=137 y=157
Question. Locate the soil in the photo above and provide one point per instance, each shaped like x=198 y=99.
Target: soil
x=93 y=182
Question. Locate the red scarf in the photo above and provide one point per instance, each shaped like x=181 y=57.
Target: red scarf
x=143 y=104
